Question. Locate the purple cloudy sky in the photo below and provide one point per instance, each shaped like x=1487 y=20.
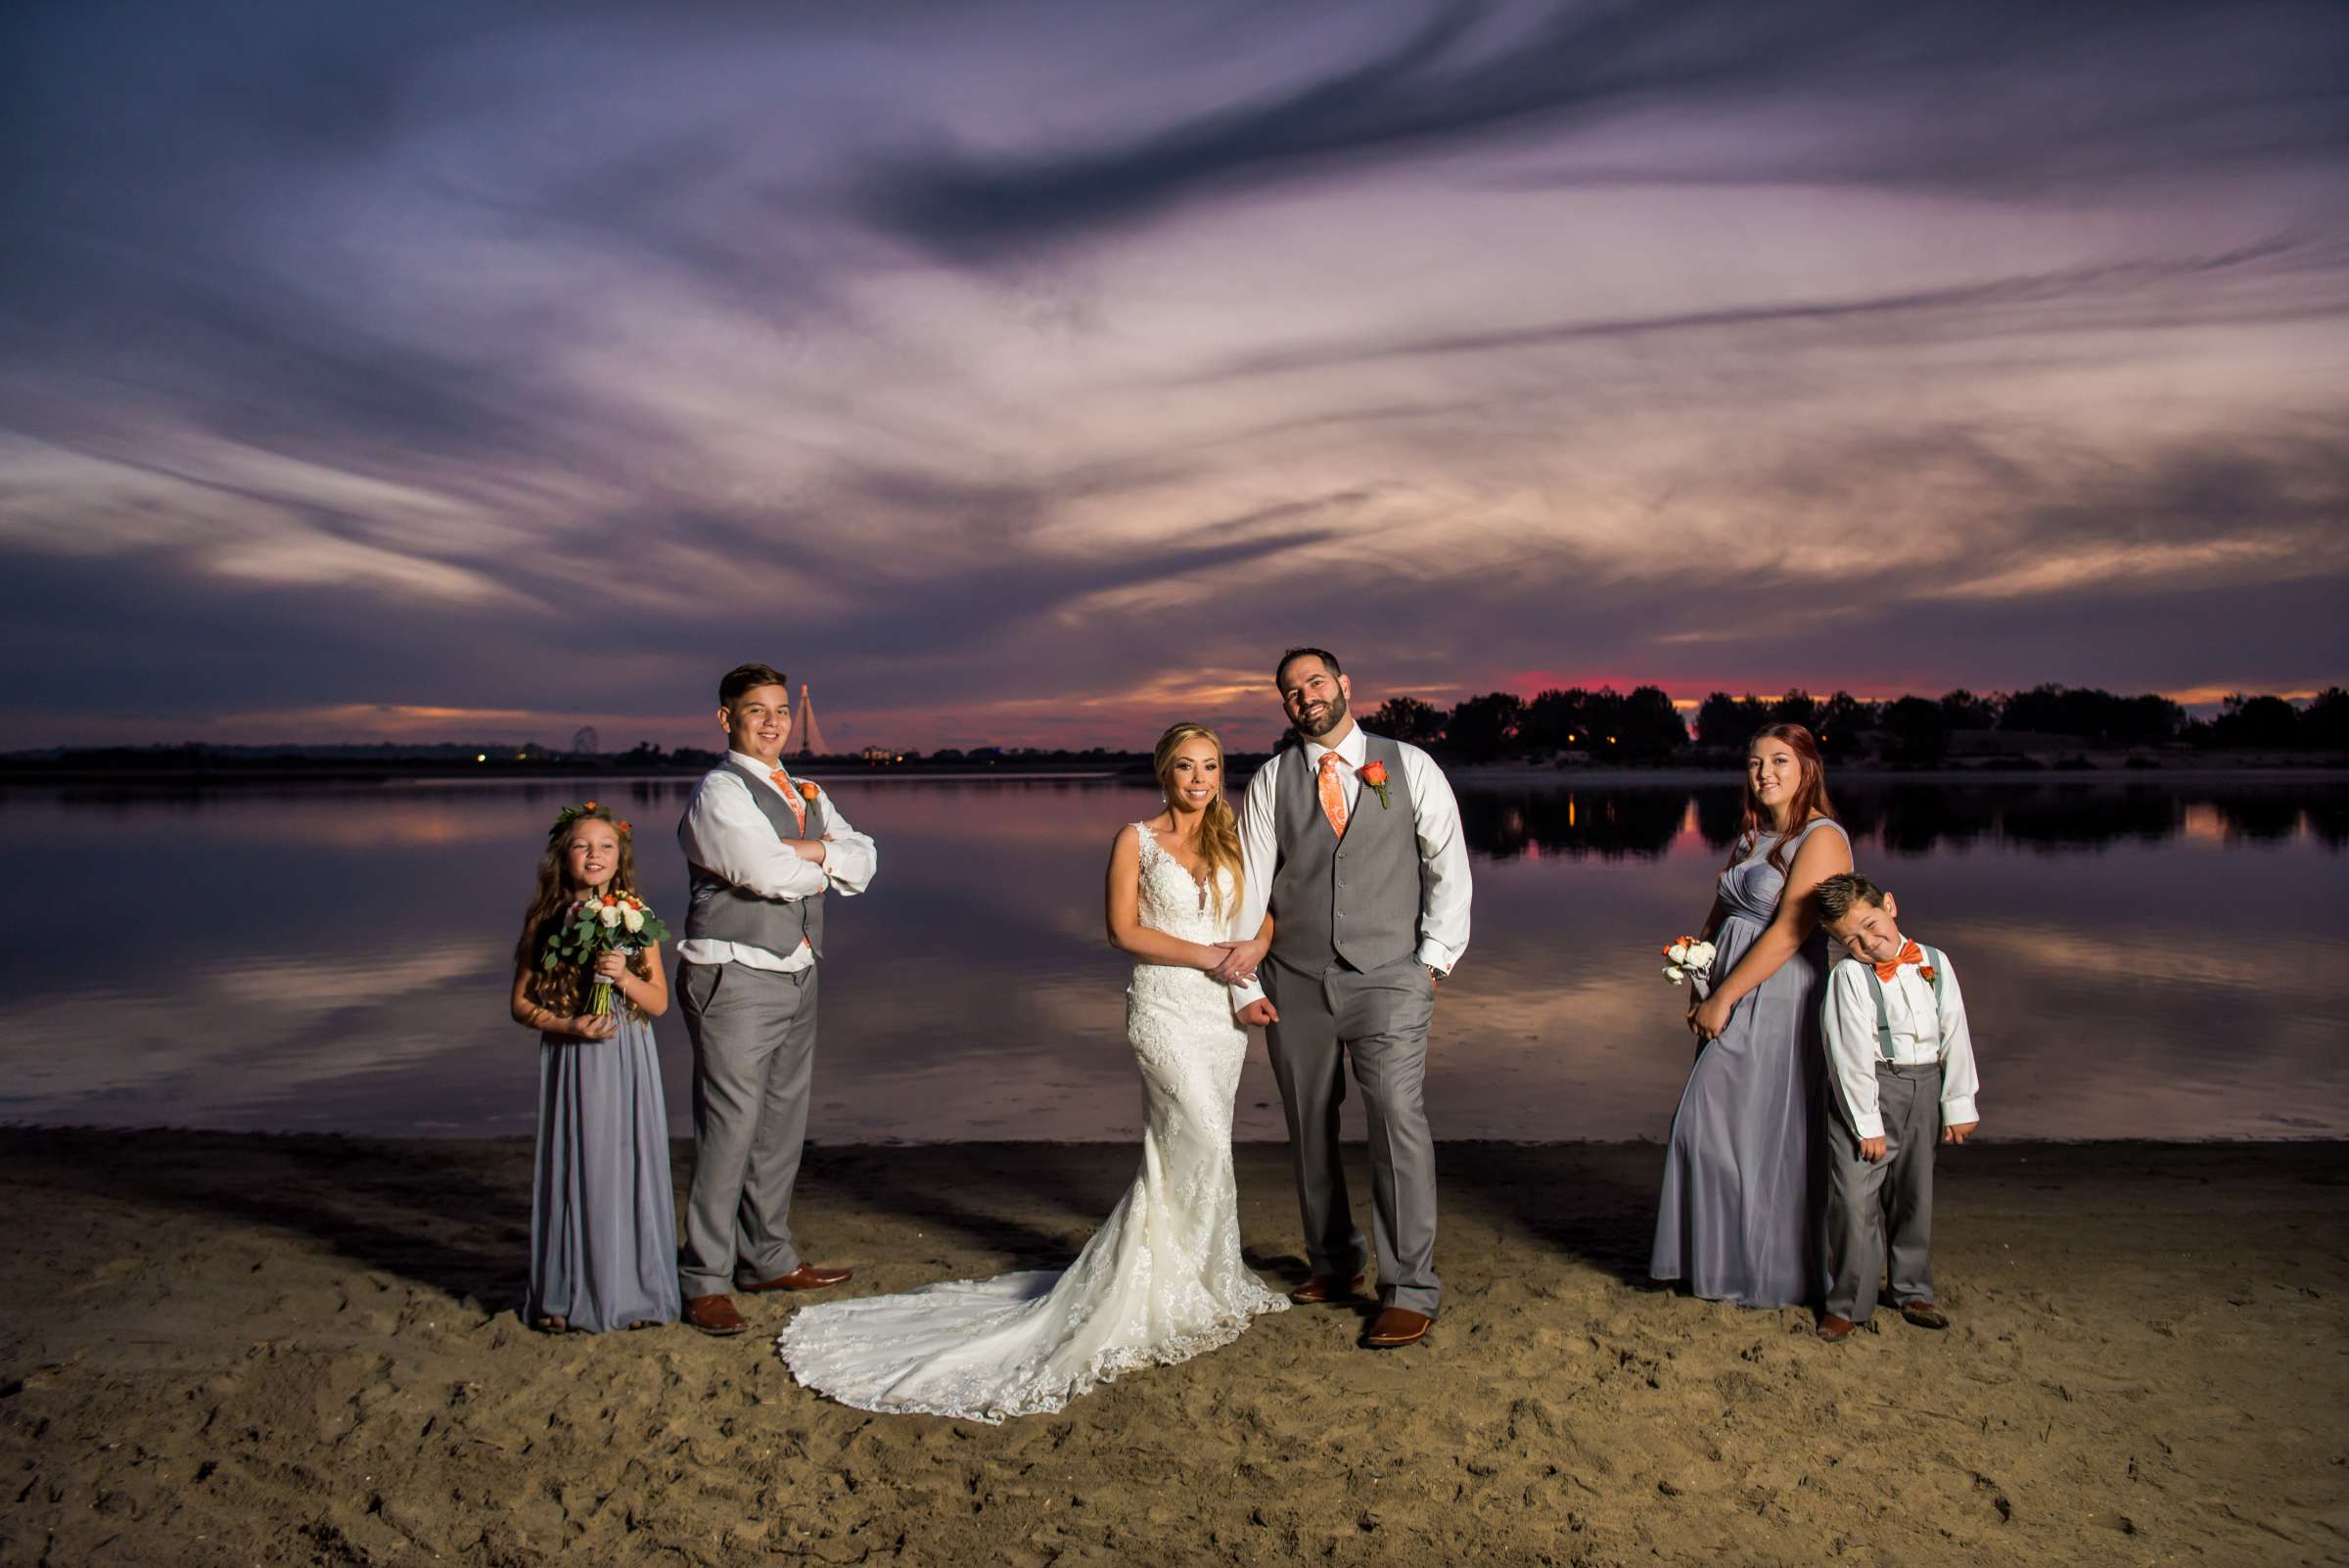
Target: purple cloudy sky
x=1034 y=373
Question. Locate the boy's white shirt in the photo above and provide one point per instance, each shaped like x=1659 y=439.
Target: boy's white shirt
x=1853 y=1051
x=724 y=831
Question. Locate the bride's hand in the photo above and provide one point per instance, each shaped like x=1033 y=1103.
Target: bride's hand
x=1222 y=964
x=1239 y=961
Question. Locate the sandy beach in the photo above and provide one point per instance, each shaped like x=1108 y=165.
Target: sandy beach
x=232 y=1349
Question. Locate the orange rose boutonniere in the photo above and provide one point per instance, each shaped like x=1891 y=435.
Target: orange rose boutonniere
x=1374 y=774
x=807 y=791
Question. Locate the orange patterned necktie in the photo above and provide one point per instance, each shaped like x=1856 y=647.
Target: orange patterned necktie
x=791 y=798
x=1911 y=953
x=1333 y=798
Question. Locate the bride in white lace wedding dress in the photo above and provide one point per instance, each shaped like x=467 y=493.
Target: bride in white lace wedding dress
x=1162 y=1279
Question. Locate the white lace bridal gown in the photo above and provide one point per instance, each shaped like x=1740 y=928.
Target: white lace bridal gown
x=1159 y=1282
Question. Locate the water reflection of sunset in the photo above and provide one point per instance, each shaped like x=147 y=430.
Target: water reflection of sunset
x=2141 y=961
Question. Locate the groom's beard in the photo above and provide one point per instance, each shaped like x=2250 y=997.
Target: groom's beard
x=1331 y=717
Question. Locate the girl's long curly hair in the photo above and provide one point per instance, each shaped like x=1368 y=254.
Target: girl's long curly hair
x=562 y=990
x=1809 y=797
x=1219 y=838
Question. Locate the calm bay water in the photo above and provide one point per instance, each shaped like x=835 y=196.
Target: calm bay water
x=2141 y=960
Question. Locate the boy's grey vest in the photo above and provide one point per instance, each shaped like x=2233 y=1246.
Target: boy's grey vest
x=1356 y=898
x=724 y=912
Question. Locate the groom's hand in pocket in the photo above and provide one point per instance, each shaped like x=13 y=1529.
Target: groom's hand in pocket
x=1258 y=1013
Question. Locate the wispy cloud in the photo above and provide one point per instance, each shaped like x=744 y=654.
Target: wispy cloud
x=1034 y=371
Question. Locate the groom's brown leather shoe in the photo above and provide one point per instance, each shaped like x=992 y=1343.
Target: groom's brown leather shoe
x=713 y=1314
x=1924 y=1315
x=807 y=1277
x=1325 y=1288
x=1395 y=1327
x=1833 y=1329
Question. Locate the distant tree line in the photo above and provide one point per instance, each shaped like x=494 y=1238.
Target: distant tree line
x=1643 y=726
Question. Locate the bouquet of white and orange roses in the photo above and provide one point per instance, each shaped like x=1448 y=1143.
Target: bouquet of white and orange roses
x=1692 y=960
x=607 y=922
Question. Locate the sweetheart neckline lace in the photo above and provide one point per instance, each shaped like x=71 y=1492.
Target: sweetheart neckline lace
x=1149 y=836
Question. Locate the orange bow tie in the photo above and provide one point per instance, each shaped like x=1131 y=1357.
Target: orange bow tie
x=1911 y=953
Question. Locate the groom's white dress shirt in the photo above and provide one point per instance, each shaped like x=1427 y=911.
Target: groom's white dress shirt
x=1436 y=819
x=1922 y=1034
x=724 y=831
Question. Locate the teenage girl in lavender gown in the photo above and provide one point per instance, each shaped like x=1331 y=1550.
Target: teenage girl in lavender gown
x=603 y=1220
x=1738 y=1220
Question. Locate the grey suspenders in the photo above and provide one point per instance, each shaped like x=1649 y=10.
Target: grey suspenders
x=1884 y=1014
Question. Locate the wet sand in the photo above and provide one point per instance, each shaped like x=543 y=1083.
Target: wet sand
x=221 y=1349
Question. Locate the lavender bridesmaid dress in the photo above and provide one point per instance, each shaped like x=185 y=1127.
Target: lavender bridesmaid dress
x=1740 y=1213
x=603 y=1220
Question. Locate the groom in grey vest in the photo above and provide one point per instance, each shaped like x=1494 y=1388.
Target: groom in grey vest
x=1352 y=843
x=762 y=850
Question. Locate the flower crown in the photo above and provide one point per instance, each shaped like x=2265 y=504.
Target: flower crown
x=572 y=814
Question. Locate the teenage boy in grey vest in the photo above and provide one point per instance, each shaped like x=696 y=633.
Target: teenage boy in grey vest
x=762 y=848
x=1352 y=841
x=1900 y=1063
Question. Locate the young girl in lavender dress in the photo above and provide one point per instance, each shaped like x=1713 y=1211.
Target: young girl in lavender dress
x=1739 y=1215
x=603 y=1222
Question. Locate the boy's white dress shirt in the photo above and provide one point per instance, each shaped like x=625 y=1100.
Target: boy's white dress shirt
x=723 y=831
x=1922 y=1032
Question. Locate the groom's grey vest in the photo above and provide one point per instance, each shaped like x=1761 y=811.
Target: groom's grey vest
x=1357 y=897
x=724 y=912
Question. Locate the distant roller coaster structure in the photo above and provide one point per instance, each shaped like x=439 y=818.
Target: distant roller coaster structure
x=806 y=737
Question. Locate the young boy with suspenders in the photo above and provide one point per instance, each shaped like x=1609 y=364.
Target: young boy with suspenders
x=1901 y=1071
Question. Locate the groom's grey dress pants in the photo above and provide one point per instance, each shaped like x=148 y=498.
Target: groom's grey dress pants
x=1871 y=1201
x=754 y=1055
x=1377 y=1020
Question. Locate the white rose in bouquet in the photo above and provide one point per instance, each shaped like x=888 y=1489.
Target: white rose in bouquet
x=633 y=919
x=609 y=914
x=1692 y=960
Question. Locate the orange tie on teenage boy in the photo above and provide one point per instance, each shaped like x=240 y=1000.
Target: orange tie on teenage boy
x=791 y=798
x=1911 y=953
x=1333 y=798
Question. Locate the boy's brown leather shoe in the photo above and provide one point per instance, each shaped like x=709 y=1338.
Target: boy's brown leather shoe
x=1924 y=1315
x=807 y=1277
x=1396 y=1327
x=713 y=1314
x=1833 y=1329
